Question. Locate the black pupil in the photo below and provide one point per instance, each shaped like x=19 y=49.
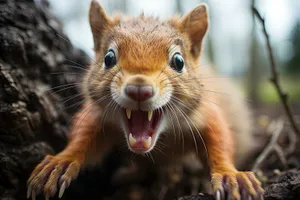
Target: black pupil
x=110 y=59
x=178 y=62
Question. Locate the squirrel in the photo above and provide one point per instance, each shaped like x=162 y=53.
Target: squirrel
x=146 y=88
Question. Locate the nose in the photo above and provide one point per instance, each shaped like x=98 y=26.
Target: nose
x=139 y=92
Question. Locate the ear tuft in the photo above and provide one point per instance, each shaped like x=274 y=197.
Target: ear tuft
x=195 y=25
x=99 y=21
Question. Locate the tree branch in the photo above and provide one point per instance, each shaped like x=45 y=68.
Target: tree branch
x=274 y=77
x=272 y=146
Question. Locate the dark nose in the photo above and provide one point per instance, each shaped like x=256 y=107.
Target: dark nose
x=139 y=92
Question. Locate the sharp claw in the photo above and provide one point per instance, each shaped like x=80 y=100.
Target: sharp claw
x=261 y=197
x=218 y=195
x=62 y=190
x=33 y=195
x=29 y=192
x=249 y=198
x=46 y=196
x=68 y=182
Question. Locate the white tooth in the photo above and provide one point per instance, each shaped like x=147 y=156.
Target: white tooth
x=132 y=140
x=150 y=113
x=148 y=142
x=128 y=113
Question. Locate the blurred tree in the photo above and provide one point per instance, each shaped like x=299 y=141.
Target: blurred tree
x=253 y=65
x=209 y=41
x=118 y=5
x=293 y=65
x=179 y=9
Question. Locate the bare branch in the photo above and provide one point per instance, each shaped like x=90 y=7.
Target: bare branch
x=274 y=77
x=272 y=146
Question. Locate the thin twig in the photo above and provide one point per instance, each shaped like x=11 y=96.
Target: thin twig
x=275 y=78
x=272 y=146
x=292 y=142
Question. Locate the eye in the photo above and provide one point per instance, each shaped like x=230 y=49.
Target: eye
x=110 y=59
x=177 y=62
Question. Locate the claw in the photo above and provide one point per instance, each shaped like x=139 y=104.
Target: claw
x=62 y=190
x=218 y=195
x=48 y=178
x=240 y=185
x=29 y=192
x=33 y=195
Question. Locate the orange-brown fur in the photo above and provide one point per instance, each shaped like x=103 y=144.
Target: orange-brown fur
x=142 y=45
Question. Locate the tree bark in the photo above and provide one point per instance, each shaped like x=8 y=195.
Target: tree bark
x=32 y=59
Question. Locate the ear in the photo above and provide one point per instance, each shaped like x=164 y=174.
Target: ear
x=99 y=22
x=195 y=25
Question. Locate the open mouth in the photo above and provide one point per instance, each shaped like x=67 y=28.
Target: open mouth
x=142 y=127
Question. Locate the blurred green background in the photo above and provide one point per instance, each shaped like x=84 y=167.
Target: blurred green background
x=235 y=45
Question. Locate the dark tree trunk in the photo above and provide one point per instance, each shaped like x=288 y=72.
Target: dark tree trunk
x=36 y=56
x=32 y=121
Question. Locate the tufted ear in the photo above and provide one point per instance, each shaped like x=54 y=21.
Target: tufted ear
x=195 y=25
x=99 y=22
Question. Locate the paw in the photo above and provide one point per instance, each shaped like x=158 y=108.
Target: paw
x=236 y=186
x=52 y=173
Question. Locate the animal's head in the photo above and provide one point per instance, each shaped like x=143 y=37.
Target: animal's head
x=144 y=71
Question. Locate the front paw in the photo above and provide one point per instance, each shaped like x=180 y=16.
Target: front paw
x=236 y=186
x=52 y=173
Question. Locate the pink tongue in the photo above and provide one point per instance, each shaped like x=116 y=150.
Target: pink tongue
x=139 y=125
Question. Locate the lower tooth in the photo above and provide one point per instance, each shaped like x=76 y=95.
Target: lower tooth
x=150 y=113
x=132 y=140
x=148 y=142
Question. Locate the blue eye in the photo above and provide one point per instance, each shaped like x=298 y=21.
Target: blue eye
x=110 y=59
x=177 y=62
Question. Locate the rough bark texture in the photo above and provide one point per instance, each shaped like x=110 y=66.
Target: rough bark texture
x=285 y=186
x=34 y=121
x=197 y=197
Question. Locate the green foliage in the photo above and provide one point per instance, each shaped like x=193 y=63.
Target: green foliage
x=293 y=65
x=268 y=94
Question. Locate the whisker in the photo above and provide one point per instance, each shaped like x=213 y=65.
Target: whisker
x=75 y=105
x=92 y=94
x=181 y=74
x=149 y=155
x=161 y=151
x=105 y=113
x=196 y=128
x=60 y=86
x=78 y=66
x=187 y=121
x=86 y=111
x=89 y=106
x=171 y=121
x=66 y=88
x=59 y=73
x=212 y=91
x=195 y=111
x=170 y=106
x=162 y=71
